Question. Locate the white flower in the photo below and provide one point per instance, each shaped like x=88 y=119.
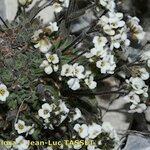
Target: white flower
x=90 y=82
x=53 y=26
x=74 y=83
x=94 y=130
x=108 y=4
x=52 y=58
x=108 y=30
x=63 y=107
x=115 y=20
x=112 y=22
x=82 y=130
x=99 y=41
x=78 y=71
x=43 y=44
x=136 y=29
x=115 y=41
x=45 y=111
x=47 y=67
x=120 y=39
x=101 y=52
x=3 y=92
x=133 y=98
x=138 y=86
x=21 y=143
x=143 y=74
x=139 y=108
x=67 y=70
x=21 y=127
x=107 y=64
x=57 y=7
x=77 y=114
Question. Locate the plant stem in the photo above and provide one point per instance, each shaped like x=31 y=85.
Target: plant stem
x=4 y=22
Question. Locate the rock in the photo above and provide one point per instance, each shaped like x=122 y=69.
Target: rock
x=136 y=142
x=2 y=9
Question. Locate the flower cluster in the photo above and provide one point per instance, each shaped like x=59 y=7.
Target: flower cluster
x=50 y=112
x=41 y=37
x=102 y=56
x=108 y=4
x=51 y=64
x=139 y=91
x=77 y=72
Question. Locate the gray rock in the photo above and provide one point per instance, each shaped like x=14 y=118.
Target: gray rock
x=137 y=143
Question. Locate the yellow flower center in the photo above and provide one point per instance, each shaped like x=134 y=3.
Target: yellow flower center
x=2 y=92
x=51 y=58
x=80 y=130
x=46 y=111
x=21 y=126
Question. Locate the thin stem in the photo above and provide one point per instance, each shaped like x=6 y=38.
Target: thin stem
x=4 y=22
x=90 y=93
x=75 y=58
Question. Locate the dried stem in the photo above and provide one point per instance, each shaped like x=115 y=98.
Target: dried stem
x=4 y=22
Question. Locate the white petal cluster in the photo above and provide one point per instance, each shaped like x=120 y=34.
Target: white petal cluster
x=143 y=73
x=77 y=114
x=45 y=111
x=3 y=92
x=89 y=81
x=114 y=26
x=51 y=64
x=139 y=90
x=94 y=130
x=107 y=64
x=139 y=108
x=111 y=22
x=108 y=4
x=60 y=5
x=21 y=127
x=76 y=72
x=57 y=7
x=101 y=55
x=137 y=32
x=21 y=143
x=49 y=113
x=40 y=37
x=138 y=86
